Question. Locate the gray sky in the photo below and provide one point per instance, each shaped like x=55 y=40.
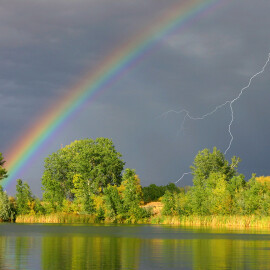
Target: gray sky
x=46 y=47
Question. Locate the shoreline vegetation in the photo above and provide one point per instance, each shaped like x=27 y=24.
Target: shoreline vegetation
x=197 y=221
x=85 y=182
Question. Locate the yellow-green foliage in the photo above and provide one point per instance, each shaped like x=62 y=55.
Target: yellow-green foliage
x=69 y=207
x=219 y=221
x=136 y=183
x=251 y=221
x=56 y=218
x=264 y=180
x=219 y=198
x=83 y=202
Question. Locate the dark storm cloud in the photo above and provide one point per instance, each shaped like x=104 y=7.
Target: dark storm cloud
x=46 y=46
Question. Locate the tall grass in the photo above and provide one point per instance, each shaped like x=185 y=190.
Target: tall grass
x=56 y=218
x=219 y=221
x=73 y=218
x=212 y=221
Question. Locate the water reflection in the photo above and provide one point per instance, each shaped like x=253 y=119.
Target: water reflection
x=80 y=252
x=134 y=247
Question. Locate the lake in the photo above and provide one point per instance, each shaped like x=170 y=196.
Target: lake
x=43 y=246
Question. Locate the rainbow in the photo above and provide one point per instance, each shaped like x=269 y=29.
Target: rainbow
x=98 y=80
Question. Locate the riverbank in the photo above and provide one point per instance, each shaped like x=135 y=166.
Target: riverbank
x=220 y=221
x=211 y=221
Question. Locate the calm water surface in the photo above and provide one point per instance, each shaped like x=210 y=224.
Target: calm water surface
x=131 y=247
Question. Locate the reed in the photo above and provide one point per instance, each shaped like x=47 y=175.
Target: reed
x=56 y=218
x=219 y=221
x=251 y=221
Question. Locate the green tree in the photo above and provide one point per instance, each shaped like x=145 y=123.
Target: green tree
x=236 y=187
x=3 y=171
x=198 y=198
x=182 y=205
x=172 y=188
x=256 y=198
x=114 y=209
x=152 y=193
x=218 y=195
x=37 y=207
x=5 y=210
x=169 y=204
x=83 y=194
x=131 y=192
x=206 y=162
x=96 y=161
x=24 y=198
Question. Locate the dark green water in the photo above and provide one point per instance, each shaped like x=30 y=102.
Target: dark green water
x=130 y=247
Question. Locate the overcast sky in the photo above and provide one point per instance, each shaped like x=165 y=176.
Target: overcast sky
x=47 y=46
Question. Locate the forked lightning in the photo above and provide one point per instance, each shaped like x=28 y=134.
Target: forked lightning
x=230 y=102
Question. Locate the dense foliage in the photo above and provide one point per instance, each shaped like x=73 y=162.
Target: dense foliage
x=206 y=163
x=5 y=209
x=85 y=164
x=153 y=192
x=219 y=190
x=86 y=178
x=3 y=171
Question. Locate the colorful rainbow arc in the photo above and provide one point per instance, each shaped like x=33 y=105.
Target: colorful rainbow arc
x=108 y=71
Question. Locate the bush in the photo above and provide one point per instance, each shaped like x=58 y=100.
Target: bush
x=5 y=209
x=169 y=204
x=153 y=192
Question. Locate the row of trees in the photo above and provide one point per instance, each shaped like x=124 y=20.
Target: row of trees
x=85 y=177
x=88 y=177
x=153 y=193
x=5 y=205
x=87 y=165
x=114 y=203
x=218 y=189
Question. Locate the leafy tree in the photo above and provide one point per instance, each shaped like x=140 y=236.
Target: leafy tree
x=3 y=171
x=99 y=206
x=236 y=188
x=153 y=192
x=131 y=192
x=24 y=198
x=206 y=162
x=169 y=204
x=55 y=183
x=182 y=206
x=83 y=193
x=5 y=210
x=198 y=200
x=264 y=180
x=113 y=203
x=211 y=196
x=37 y=207
x=256 y=198
x=96 y=161
x=237 y=184
x=172 y=188
x=13 y=208
x=219 y=199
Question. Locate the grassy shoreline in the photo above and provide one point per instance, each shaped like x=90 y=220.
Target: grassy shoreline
x=211 y=221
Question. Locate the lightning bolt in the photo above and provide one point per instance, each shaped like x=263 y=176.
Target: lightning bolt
x=188 y=116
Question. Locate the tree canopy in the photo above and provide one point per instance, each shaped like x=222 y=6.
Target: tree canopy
x=5 y=211
x=24 y=197
x=3 y=171
x=96 y=162
x=206 y=163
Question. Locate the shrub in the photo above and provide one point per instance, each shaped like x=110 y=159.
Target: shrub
x=5 y=209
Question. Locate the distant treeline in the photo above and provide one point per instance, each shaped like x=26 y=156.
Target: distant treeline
x=86 y=182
